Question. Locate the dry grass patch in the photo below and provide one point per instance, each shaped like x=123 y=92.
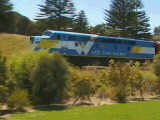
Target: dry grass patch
x=12 y=44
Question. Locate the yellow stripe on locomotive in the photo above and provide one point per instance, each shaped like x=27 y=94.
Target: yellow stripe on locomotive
x=49 y=44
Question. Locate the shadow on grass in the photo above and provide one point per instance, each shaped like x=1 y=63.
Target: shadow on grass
x=145 y=99
x=4 y=112
x=55 y=107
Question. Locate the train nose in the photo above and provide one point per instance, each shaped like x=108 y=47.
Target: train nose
x=31 y=39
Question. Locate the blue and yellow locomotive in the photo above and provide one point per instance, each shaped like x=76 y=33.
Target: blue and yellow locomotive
x=94 y=47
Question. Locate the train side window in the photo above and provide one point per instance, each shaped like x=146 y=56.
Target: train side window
x=129 y=48
x=72 y=38
x=76 y=44
x=58 y=37
x=115 y=47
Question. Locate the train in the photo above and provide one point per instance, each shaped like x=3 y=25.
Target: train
x=94 y=49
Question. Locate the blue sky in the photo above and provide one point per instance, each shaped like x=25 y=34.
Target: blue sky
x=94 y=9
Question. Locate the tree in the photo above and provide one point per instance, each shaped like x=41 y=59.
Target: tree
x=3 y=70
x=22 y=23
x=157 y=30
x=3 y=78
x=58 y=12
x=18 y=100
x=49 y=79
x=82 y=84
x=100 y=29
x=5 y=15
x=118 y=81
x=36 y=28
x=128 y=18
x=81 y=23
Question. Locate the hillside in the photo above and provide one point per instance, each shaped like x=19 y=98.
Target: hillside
x=12 y=44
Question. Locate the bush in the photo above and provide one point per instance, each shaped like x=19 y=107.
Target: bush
x=118 y=93
x=3 y=79
x=3 y=94
x=20 y=69
x=18 y=100
x=156 y=65
x=119 y=77
x=3 y=70
x=82 y=84
x=102 y=83
x=150 y=82
x=156 y=68
x=50 y=78
x=42 y=74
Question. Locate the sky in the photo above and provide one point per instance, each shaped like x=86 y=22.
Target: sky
x=94 y=9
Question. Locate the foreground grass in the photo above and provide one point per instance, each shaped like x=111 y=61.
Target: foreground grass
x=12 y=44
x=133 y=111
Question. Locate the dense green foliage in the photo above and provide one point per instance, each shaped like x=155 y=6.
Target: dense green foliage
x=12 y=22
x=82 y=84
x=100 y=29
x=157 y=30
x=5 y=15
x=3 y=70
x=58 y=13
x=3 y=78
x=41 y=76
x=18 y=100
x=132 y=111
x=81 y=23
x=128 y=18
x=48 y=78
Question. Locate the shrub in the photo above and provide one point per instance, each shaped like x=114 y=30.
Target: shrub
x=102 y=83
x=118 y=93
x=142 y=80
x=118 y=81
x=42 y=74
x=18 y=100
x=3 y=70
x=150 y=81
x=82 y=84
x=3 y=94
x=49 y=78
x=20 y=69
x=3 y=79
x=156 y=65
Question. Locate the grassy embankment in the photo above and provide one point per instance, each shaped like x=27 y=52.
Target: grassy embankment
x=11 y=44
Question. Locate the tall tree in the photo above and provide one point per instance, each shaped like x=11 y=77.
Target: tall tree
x=157 y=30
x=100 y=29
x=5 y=15
x=128 y=18
x=58 y=12
x=3 y=70
x=81 y=23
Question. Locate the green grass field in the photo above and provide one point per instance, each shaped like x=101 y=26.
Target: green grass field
x=12 y=44
x=132 y=111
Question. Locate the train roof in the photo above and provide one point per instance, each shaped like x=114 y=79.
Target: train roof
x=74 y=33
x=94 y=35
x=121 y=38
